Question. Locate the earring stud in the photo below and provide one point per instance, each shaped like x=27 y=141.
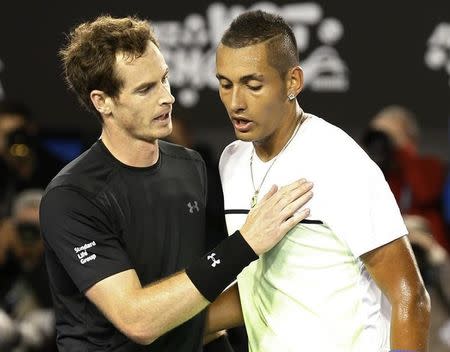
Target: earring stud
x=291 y=96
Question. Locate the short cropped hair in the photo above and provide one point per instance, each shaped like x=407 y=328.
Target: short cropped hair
x=254 y=27
x=89 y=56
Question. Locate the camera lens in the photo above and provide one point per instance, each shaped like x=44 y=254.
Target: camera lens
x=29 y=233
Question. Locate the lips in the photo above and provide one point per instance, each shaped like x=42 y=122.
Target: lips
x=242 y=124
x=163 y=117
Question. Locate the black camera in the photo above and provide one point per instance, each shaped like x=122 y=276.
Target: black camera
x=380 y=148
x=29 y=233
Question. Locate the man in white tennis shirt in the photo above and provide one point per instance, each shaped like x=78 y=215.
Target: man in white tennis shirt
x=344 y=279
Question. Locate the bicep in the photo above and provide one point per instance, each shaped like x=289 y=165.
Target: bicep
x=393 y=267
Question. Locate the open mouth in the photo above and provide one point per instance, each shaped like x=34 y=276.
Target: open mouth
x=242 y=125
x=163 y=117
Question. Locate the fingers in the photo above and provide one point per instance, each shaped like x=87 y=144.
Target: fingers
x=276 y=214
x=290 y=194
x=292 y=202
x=290 y=187
x=270 y=193
x=290 y=223
x=285 y=193
x=291 y=208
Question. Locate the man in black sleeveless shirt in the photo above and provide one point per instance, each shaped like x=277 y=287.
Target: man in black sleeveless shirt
x=123 y=224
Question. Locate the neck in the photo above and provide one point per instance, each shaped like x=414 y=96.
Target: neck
x=271 y=146
x=129 y=150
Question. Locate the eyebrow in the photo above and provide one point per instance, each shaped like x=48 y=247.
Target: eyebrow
x=244 y=79
x=149 y=84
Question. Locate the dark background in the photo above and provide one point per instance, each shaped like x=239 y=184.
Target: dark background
x=383 y=46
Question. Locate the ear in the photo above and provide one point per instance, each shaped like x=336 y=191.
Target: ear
x=102 y=102
x=294 y=82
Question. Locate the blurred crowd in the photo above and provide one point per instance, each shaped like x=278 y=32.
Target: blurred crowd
x=420 y=184
x=26 y=316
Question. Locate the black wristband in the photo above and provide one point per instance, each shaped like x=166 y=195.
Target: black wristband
x=213 y=272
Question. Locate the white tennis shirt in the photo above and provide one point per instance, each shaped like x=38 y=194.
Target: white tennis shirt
x=311 y=292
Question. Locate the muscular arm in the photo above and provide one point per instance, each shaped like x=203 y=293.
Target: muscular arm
x=395 y=271
x=145 y=313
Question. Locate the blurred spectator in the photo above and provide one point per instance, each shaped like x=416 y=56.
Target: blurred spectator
x=416 y=181
x=26 y=314
x=24 y=163
x=434 y=265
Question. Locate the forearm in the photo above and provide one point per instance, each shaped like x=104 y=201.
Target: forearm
x=410 y=324
x=160 y=307
x=225 y=312
x=145 y=313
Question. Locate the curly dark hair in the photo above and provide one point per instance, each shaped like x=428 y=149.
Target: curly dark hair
x=89 y=56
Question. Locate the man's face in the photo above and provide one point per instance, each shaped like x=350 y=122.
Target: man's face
x=252 y=91
x=143 y=107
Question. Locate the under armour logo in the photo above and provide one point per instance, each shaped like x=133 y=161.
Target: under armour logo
x=215 y=262
x=193 y=207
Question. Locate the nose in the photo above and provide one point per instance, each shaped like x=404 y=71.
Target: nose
x=166 y=97
x=237 y=100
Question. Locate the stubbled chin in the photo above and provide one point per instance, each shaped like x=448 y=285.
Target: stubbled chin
x=165 y=132
x=154 y=134
x=244 y=136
